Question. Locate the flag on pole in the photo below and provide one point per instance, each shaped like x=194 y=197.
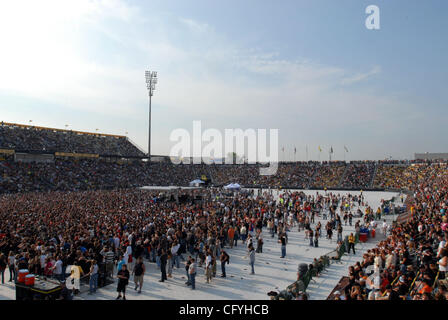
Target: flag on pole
x=345 y=148
x=331 y=150
x=320 y=149
x=295 y=150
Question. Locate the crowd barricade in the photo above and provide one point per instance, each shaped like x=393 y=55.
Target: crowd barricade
x=325 y=261
x=412 y=284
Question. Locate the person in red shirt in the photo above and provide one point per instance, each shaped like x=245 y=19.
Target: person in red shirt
x=231 y=234
x=426 y=287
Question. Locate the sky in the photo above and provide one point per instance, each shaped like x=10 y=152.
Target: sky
x=310 y=69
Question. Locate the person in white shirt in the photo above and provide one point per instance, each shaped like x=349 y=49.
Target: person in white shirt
x=384 y=227
x=442 y=244
x=208 y=267
x=128 y=253
x=11 y=266
x=378 y=262
x=57 y=269
x=174 y=250
x=43 y=258
x=192 y=272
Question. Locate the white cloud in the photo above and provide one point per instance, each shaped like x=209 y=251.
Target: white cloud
x=196 y=26
x=361 y=76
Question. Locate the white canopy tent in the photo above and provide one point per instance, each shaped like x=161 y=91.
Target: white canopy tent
x=196 y=182
x=233 y=186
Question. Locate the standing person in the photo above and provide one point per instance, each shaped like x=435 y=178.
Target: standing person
x=109 y=257
x=187 y=268
x=93 y=280
x=57 y=269
x=316 y=238
x=339 y=232
x=271 y=227
x=224 y=259
x=192 y=272
x=121 y=261
x=260 y=242
x=208 y=266
x=11 y=266
x=311 y=235
x=123 y=280
x=175 y=255
x=213 y=265
x=163 y=261
x=139 y=273
x=252 y=258
x=384 y=227
x=231 y=234
x=3 y=264
x=329 y=233
x=170 y=264
x=351 y=243
x=129 y=254
x=243 y=233
x=283 y=244
x=236 y=236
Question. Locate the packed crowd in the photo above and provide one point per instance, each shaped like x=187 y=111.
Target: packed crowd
x=359 y=175
x=118 y=229
x=30 y=138
x=46 y=232
x=411 y=263
x=408 y=176
x=328 y=175
x=390 y=176
x=97 y=174
x=92 y=174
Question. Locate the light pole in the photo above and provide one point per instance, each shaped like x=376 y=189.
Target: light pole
x=151 y=80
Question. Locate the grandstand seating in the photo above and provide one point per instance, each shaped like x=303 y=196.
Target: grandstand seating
x=29 y=138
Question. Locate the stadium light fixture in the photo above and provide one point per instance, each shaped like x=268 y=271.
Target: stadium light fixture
x=151 y=80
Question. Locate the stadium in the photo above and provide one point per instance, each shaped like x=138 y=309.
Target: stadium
x=87 y=214
x=73 y=194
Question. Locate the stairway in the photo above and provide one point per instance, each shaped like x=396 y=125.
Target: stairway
x=311 y=179
x=343 y=175
x=374 y=175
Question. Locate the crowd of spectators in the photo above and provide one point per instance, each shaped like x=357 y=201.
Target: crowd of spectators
x=411 y=263
x=407 y=176
x=328 y=175
x=92 y=174
x=359 y=175
x=29 y=138
x=70 y=219
x=390 y=176
x=45 y=232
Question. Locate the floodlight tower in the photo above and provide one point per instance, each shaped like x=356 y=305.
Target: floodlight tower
x=151 y=80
